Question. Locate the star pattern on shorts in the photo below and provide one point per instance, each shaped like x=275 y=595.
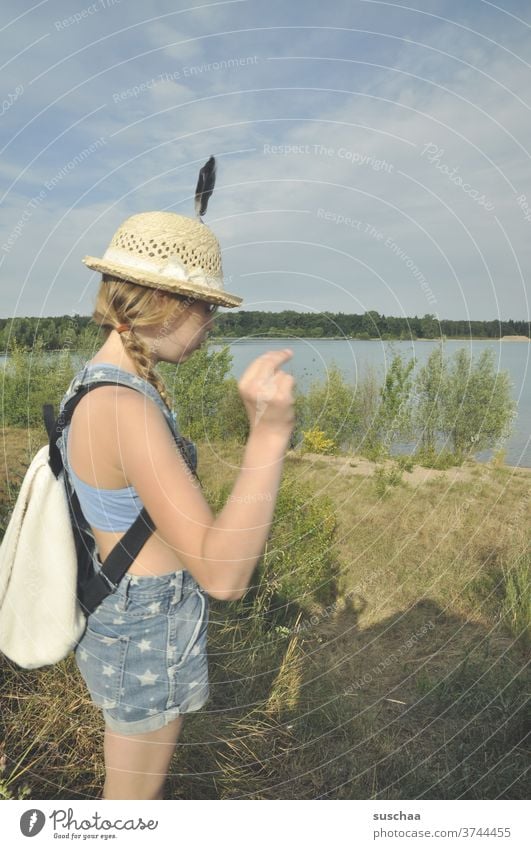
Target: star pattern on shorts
x=83 y=654
x=193 y=684
x=144 y=645
x=118 y=621
x=154 y=607
x=99 y=375
x=195 y=651
x=108 y=670
x=147 y=678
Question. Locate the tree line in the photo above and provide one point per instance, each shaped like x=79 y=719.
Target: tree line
x=450 y=409
x=59 y=332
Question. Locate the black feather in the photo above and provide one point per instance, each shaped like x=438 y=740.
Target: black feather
x=205 y=186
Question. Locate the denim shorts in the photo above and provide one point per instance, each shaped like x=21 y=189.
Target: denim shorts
x=143 y=653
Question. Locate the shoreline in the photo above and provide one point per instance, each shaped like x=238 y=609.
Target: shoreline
x=359 y=465
x=238 y=340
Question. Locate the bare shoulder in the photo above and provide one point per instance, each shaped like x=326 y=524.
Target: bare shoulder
x=104 y=402
x=108 y=427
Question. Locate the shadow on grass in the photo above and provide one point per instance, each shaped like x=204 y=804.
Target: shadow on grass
x=422 y=705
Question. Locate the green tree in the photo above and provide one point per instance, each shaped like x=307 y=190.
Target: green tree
x=394 y=418
x=198 y=387
x=429 y=392
x=430 y=327
x=330 y=405
x=233 y=421
x=477 y=407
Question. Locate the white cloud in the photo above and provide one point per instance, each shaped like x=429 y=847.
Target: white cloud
x=156 y=140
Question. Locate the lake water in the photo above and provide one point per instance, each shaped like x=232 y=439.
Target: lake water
x=312 y=357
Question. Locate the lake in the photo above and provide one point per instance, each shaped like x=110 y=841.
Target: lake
x=312 y=357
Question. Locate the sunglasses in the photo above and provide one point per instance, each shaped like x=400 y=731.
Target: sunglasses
x=211 y=309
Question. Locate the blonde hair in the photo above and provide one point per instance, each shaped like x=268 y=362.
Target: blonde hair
x=122 y=302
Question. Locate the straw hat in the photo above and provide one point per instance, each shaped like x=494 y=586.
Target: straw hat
x=163 y=250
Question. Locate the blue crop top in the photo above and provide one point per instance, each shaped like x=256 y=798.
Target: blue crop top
x=113 y=509
x=107 y=509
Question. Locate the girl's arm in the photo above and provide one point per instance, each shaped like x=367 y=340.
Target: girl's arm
x=220 y=551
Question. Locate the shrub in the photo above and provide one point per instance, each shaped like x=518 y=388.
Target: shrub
x=517 y=601
x=367 y=403
x=430 y=458
x=298 y=563
x=198 y=386
x=463 y=403
x=32 y=378
x=233 y=421
x=474 y=408
x=393 y=417
x=329 y=405
x=405 y=463
x=429 y=391
x=316 y=441
x=385 y=478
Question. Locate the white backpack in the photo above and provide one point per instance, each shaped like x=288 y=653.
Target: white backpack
x=47 y=581
x=40 y=618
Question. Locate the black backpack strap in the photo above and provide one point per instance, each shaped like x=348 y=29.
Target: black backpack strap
x=95 y=586
x=55 y=427
x=49 y=419
x=106 y=581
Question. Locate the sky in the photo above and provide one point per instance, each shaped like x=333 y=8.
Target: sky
x=370 y=155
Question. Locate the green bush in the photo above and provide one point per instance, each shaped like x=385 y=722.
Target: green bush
x=316 y=441
x=384 y=479
x=198 y=387
x=298 y=563
x=330 y=406
x=391 y=418
x=464 y=402
x=233 y=419
x=430 y=458
x=30 y=379
x=430 y=394
x=405 y=463
x=517 y=601
x=367 y=403
x=479 y=410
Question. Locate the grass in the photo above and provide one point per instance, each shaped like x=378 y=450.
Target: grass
x=381 y=652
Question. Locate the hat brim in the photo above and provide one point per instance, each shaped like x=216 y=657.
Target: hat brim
x=157 y=281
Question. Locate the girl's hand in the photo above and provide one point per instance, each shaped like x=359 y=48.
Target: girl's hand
x=267 y=393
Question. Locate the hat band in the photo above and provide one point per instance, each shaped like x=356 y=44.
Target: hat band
x=172 y=268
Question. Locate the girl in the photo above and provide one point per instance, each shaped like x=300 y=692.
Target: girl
x=143 y=654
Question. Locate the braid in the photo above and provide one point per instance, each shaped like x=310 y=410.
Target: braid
x=120 y=301
x=139 y=353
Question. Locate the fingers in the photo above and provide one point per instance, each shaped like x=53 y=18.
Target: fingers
x=269 y=362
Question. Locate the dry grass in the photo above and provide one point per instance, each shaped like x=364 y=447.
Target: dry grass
x=410 y=684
